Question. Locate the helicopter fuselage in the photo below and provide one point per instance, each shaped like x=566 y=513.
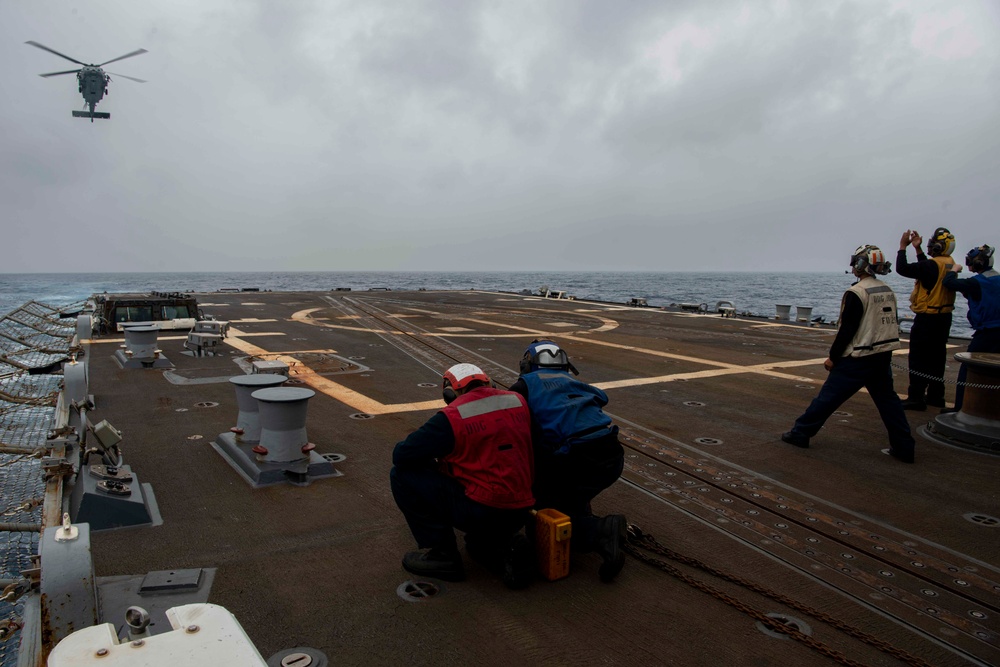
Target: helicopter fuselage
x=93 y=84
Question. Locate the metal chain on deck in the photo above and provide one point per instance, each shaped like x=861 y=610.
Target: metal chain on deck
x=944 y=380
x=637 y=540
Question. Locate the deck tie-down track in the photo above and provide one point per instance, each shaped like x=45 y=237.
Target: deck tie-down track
x=431 y=351
x=947 y=598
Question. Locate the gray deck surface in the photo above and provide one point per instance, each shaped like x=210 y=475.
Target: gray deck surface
x=838 y=527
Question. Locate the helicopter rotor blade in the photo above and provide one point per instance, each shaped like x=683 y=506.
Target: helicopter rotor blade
x=69 y=71
x=61 y=55
x=127 y=55
x=130 y=78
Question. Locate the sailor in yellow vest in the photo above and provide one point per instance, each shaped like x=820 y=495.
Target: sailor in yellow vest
x=932 y=302
x=860 y=356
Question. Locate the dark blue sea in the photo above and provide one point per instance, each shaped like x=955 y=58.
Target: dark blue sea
x=753 y=293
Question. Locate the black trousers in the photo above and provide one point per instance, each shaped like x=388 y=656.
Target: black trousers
x=849 y=375
x=928 y=354
x=434 y=504
x=568 y=482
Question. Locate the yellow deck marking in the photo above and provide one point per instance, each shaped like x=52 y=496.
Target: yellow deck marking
x=122 y=340
x=334 y=390
x=301 y=352
x=251 y=320
x=770 y=369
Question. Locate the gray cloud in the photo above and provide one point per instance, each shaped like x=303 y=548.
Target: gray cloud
x=479 y=135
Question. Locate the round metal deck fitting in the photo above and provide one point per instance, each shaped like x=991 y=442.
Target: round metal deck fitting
x=333 y=458
x=361 y=415
x=206 y=404
x=982 y=519
x=300 y=656
x=195 y=437
x=790 y=621
x=417 y=591
x=694 y=404
x=708 y=441
x=427 y=385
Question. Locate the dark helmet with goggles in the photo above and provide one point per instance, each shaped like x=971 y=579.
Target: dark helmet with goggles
x=980 y=259
x=544 y=354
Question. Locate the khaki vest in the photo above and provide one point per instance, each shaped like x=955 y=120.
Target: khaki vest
x=937 y=300
x=879 y=329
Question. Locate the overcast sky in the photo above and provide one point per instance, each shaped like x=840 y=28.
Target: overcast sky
x=493 y=135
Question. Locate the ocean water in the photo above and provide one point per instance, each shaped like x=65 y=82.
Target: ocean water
x=751 y=293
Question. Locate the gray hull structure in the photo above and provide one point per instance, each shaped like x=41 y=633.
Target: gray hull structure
x=876 y=561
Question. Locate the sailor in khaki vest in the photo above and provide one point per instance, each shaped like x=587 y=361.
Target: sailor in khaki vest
x=932 y=302
x=860 y=356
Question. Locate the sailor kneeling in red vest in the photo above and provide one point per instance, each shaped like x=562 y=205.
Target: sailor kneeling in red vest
x=469 y=467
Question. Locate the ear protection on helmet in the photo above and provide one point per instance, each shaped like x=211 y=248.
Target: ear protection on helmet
x=871 y=260
x=545 y=354
x=980 y=259
x=942 y=243
x=459 y=377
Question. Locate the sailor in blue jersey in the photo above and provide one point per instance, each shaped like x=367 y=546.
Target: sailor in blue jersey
x=983 y=292
x=577 y=453
x=860 y=356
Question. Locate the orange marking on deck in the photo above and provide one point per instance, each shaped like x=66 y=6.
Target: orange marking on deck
x=334 y=390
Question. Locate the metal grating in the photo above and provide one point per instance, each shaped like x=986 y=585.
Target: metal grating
x=32 y=338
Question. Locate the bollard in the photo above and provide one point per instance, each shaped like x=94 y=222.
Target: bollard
x=248 y=421
x=803 y=313
x=84 y=328
x=783 y=312
x=75 y=390
x=982 y=368
x=283 y=422
x=140 y=342
x=977 y=425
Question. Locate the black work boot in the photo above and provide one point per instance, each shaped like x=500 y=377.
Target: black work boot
x=435 y=562
x=519 y=563
x=610 y=542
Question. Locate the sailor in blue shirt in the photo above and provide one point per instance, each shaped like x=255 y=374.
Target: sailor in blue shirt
x=983 y=292
x=577 y=453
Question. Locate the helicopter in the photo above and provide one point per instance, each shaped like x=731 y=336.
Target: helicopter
x=92 y=80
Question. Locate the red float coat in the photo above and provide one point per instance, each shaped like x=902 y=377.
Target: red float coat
x=493 y=457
